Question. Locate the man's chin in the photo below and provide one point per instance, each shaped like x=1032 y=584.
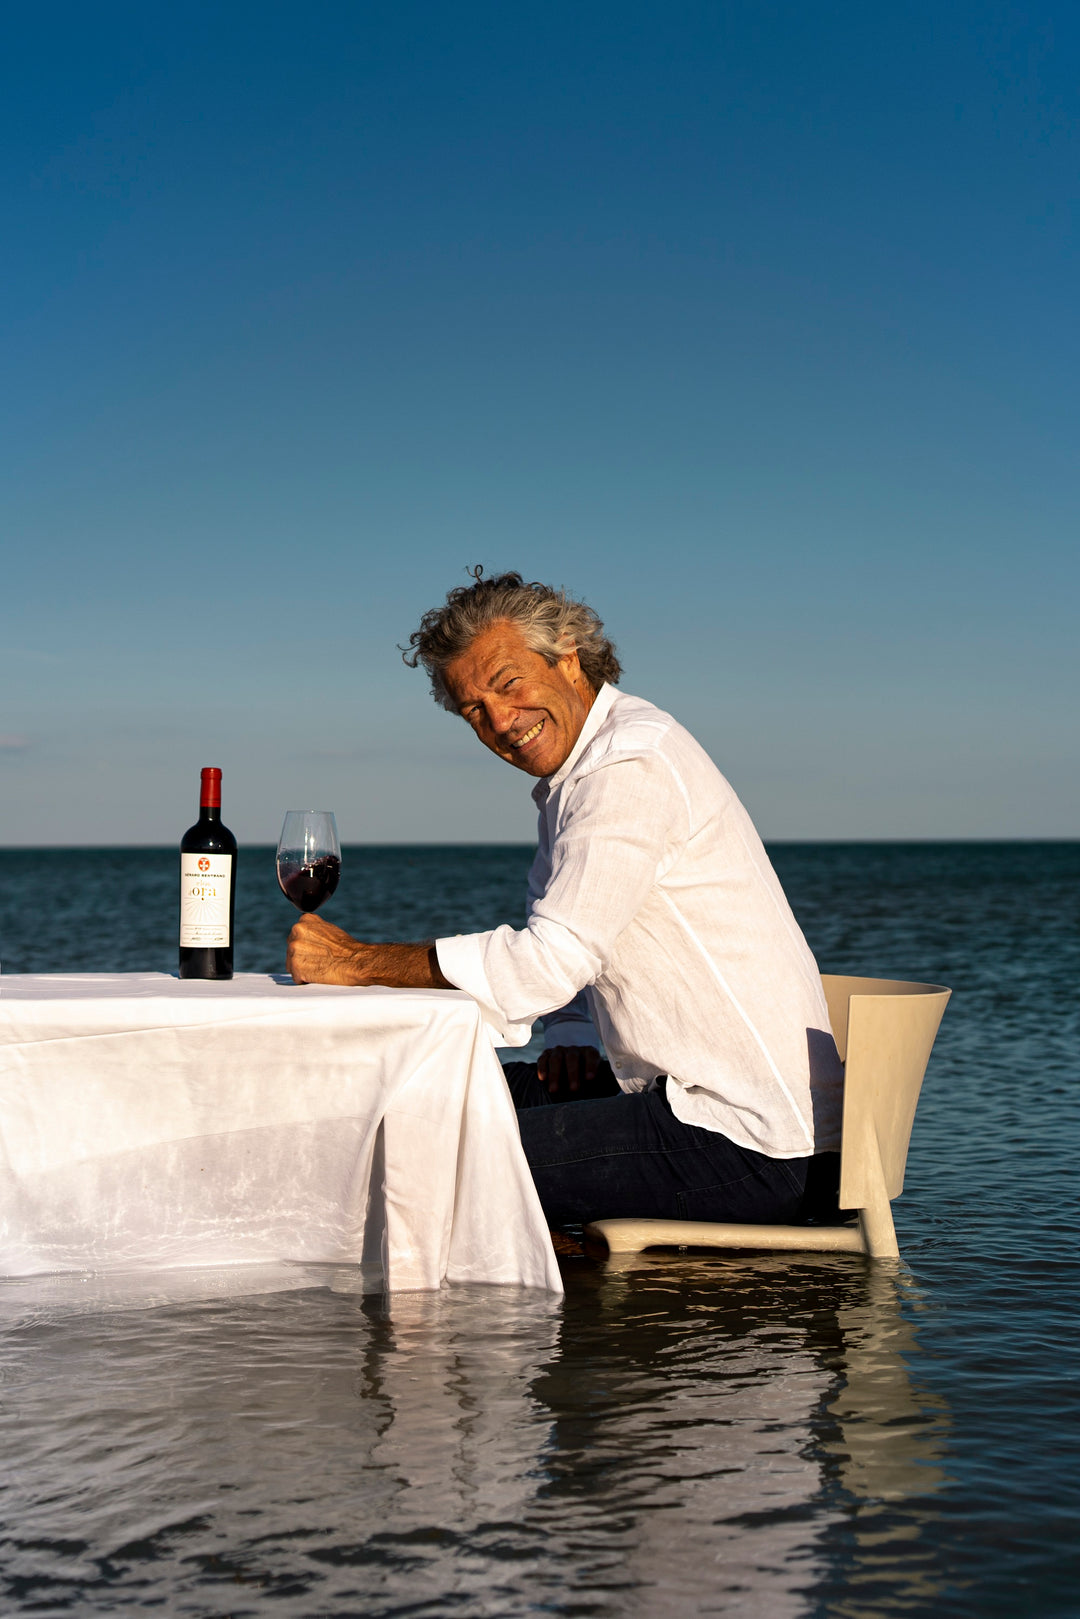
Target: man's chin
x=526 y=765
x=532 y=760
x=541 y=766
x=529 y=765
x=543 y=759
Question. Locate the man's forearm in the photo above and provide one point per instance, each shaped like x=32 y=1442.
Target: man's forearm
x=402 y=966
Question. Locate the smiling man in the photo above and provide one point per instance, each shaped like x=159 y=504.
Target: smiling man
x=655 y=922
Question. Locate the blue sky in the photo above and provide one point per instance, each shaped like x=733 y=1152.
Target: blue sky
x=754 y=324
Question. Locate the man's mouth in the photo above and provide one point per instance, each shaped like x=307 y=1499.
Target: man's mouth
x=523 y=741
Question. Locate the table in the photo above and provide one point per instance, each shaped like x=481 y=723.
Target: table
x=151 y=1122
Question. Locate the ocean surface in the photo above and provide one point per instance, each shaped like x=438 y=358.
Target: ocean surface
x=775 y=1436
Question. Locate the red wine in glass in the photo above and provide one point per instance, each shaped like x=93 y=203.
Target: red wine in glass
x=308 y=858
x=307 y=886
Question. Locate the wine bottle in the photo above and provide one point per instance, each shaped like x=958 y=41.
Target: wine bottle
x=207 y=888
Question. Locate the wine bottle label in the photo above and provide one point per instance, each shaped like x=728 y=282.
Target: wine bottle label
x=204 y=900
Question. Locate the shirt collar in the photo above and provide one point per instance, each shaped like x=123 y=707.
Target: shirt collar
x=596 y=716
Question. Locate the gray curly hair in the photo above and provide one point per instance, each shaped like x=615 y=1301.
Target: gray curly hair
x=550 y=620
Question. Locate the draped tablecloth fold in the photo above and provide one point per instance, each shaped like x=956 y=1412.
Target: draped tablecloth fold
x=147 y=1121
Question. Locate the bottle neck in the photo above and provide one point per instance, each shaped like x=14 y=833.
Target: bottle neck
x=210 y=793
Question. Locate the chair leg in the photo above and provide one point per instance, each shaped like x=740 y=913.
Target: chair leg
x=875 y=1213
x=877 y=1230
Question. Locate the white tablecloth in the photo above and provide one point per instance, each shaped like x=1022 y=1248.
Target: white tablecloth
x=148 y=1122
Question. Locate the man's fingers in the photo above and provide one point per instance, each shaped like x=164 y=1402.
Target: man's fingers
x=309 y=926
x=554 y=1074
x=294 y=954
x=567 y=1070
x=320 y=953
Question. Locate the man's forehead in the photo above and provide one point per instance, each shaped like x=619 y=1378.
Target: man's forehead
x=493 y=652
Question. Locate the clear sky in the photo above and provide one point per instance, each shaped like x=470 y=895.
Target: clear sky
x=753 y=323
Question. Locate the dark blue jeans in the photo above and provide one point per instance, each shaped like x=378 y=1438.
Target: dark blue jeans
x=629 y=1155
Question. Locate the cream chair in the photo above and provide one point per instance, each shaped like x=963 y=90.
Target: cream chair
x=884 y=1031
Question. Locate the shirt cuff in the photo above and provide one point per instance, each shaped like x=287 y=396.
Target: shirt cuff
x=461 y=963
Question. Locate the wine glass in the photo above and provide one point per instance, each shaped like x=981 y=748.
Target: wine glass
x=308 y=857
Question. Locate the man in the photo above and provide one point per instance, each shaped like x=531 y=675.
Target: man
x=652 y=894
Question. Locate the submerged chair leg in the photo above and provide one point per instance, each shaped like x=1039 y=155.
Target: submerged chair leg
x=878 y=1232
x=875 y=1217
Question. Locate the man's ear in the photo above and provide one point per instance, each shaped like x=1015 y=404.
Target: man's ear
x=570 y=662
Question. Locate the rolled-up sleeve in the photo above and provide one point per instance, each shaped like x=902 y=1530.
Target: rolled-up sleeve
x=618 y=825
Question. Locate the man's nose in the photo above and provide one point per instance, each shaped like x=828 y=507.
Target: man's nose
x=501 y=715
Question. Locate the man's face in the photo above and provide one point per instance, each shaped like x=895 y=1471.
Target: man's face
x=523 y=708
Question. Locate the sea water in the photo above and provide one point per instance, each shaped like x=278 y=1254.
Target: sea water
x=773 y=1435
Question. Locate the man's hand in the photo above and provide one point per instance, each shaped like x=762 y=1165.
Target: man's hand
x=320 y=953
x=571 y=1074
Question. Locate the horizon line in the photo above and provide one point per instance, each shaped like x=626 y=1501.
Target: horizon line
x=499 y=843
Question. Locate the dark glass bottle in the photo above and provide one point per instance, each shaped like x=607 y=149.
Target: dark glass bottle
x=207 y=888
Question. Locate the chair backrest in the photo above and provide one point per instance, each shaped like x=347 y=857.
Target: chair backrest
x=885 y=1030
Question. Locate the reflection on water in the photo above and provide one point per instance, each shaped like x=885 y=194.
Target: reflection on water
x=679 y=1435
x=751 y=1432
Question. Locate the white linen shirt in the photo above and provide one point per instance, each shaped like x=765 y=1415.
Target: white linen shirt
x=652 y=891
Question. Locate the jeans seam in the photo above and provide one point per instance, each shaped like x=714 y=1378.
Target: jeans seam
x=714 y=1186
x=789 y=1177
x=628 y=1152
x=687 y=1192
